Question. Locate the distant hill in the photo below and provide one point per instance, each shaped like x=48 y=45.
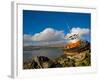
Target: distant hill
x=29 y=48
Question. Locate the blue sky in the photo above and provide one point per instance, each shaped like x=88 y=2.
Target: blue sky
x=37 y=21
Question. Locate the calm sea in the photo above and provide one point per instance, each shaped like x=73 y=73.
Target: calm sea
x=48 y=52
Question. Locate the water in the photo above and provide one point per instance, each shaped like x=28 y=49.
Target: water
x=48 y=52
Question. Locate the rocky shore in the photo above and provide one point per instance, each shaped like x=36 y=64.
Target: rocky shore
x=76 y=57
x=79 y=59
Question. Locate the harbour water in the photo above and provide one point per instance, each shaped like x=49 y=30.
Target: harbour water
x=47 y=52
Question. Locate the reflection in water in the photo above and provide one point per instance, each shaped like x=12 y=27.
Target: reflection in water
x=48 y=52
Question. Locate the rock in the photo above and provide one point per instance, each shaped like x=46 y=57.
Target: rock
x=77 y=56
x=84 y=45
x=79 y=59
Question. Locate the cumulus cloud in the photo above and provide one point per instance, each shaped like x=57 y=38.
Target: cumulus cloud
x=80 y=31
x=48 y=34
x=27 y=37
x=53 y=36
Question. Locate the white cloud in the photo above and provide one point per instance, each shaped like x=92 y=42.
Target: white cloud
x=80 y=31
x=27 y=37
x=48 y=34
x=52 y=36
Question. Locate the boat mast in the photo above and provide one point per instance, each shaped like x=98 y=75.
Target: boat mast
x=73 y=36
